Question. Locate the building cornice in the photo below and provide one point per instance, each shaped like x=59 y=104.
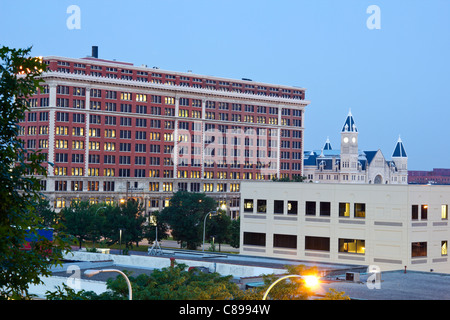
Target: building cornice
x=174 y=89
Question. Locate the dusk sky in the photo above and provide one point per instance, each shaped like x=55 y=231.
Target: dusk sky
x=395 y=79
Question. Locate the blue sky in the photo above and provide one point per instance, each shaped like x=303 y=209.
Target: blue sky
x=395 y=79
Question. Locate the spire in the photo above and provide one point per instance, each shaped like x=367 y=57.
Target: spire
x=399 y=151
x=349 y=125
x=327 y=145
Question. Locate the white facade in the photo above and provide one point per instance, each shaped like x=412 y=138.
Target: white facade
x=351 y=165
x=389 y=226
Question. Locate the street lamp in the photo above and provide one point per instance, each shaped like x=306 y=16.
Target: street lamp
x=89 y=273
x=310 y=281
x=211 y=213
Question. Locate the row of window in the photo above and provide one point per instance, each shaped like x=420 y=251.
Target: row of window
x=357 y=246
x=156 y=99
x=169 y=79
x=311 y=208
x=420 y=212
x=63 y=185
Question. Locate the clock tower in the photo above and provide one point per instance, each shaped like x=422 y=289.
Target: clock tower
x=349 y=147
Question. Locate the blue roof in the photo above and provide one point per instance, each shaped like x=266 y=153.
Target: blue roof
x=399 y=150
x=327 y=145
x=349 y=125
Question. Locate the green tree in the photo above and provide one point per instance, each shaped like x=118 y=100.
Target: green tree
x=185 y=215
x=46 y=213
x=78 y=219
x=219 y=227
x=172 y=283
x=235 y=230
x=124 y=223
x=20 y=175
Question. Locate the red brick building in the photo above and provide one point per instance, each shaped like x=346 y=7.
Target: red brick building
x=112 y=130
x=436 y=176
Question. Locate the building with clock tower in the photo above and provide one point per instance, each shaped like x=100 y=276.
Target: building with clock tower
x=352 y=165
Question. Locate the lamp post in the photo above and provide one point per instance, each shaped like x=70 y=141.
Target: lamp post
x=89 y=273
x=211 y=213
x=120 y=240
x=311 y=281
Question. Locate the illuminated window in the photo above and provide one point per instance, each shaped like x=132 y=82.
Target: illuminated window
x=110 y=146
x=77 y=171
x=141 y=97
x=60 y=203
x=110 y=133
x=60 y=171
x=183 y=113
x=221 y=187
x=125 y=96
x=77 y=145
x=167 y=186
x=248 y=205
x=182 y=174
x=94 y=145
x=261 y=206
x=208 y=187
x=444 y=212
x=344 y=209
x=360 y=210
x=93 y=172
x=169 y=100
x=444 y=246
x=109 y=172
x=352 y=246
x=168 y=136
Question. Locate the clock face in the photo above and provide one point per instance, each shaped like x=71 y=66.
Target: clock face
x=353 y=139
x=345 y=139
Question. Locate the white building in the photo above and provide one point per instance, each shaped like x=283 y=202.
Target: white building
x=351 y=165
x=389 y=226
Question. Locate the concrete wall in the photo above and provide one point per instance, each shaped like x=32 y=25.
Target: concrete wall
x=223 y=269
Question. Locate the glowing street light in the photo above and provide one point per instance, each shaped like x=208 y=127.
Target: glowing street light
x=310 y=282
x=89 y=273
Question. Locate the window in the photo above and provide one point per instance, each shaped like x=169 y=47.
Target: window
x=352 y=246
x=360 y=210
x=261 y=206
x=325 y=208
x=285 y=241
x=415 y=212
x=248 y=205
x=255 y=239
x=418 y=249
x=278 y=206
x=444 y=246
x=317 y=243
x=310 y=208
x=444 y=212
x=424 y=212
x=344 y=209
x=292 y=207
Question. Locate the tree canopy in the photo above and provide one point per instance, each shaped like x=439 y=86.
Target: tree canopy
x=185 y=215
x=20 y=175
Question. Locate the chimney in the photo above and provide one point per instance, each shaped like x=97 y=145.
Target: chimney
x=95 y=51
